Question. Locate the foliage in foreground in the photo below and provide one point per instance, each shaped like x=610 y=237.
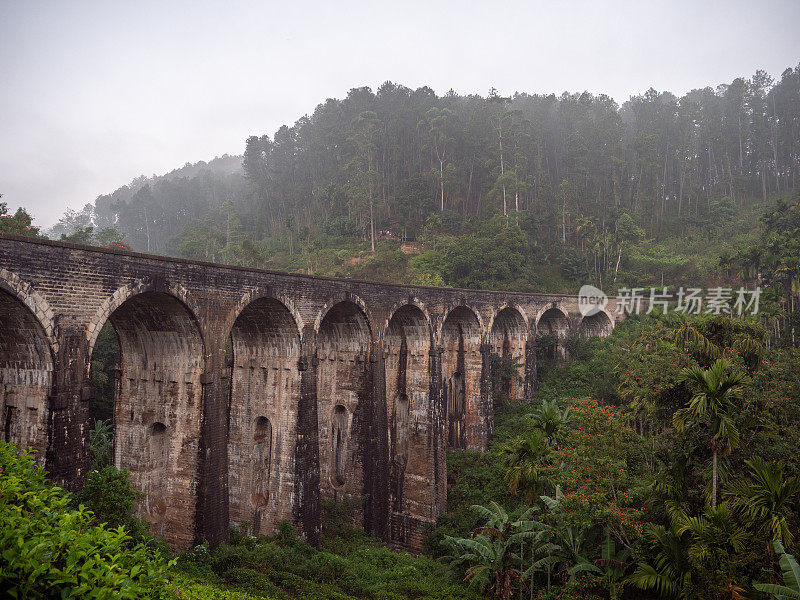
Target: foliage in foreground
x=350 y=566
x=633 y=513
x=53 y=550
x=494 y=554
x=791 y=577
x=108 y=492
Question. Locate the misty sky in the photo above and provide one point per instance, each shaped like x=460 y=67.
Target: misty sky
x=93 y=94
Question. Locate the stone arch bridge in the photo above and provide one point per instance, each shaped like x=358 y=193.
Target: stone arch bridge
x=246 y=396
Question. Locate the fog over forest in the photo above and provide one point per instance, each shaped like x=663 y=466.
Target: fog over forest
x=573 y=186
x=234 y=432
x=98 y=94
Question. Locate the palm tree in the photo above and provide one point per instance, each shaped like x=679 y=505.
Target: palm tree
x=610 y=567
x=570 y=539
x=688 y=335
x=525 y=473
x=712 y=405
x=668 y=573
x=492 y=563
x=765 y=497
x=551 y=420
x=541 y=559
x=791 y=577
x=523 y=457
x=714 y=536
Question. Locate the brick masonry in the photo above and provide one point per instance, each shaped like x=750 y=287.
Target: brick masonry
x=244 y=397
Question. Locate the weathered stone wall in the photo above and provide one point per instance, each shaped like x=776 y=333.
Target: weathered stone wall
x=507 y=337
x=554 y=323
x=26 y=372
x=343 y=349
x=158 y=410
x=265 y=391
x=245 y=396
x=462 y=371
x=412 y=421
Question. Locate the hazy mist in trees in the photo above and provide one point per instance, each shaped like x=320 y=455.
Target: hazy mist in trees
x=567 y=165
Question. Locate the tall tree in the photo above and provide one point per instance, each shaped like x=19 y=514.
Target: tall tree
x=364 y=137
x=713 y=405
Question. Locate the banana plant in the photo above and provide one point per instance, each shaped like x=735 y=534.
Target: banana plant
x=610 y=567
x=791 y=577
x=492 y=565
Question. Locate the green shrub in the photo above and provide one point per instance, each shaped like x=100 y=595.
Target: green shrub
x=52 y=550
x=109 y=495
x=288 y=567
x=100 y=442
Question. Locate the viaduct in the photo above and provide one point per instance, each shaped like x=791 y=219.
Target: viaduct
x=246 y=396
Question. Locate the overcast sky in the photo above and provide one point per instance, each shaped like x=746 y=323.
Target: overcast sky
x=93 y=94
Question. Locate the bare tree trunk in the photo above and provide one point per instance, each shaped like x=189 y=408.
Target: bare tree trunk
x=714 y=482
x=502 y=166
x=147 y=228
x=371 y=209
x=469 y=186
x=775 y=144
x=730 y=176
x=441 y=180
x=371 y=224
x=741 y=154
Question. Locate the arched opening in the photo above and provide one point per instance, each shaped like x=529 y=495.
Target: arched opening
x=507 y=339
x=343 y=343
x=264 y=391
x=155 y=501
x=339 y=431
x=146 y=367
x=596 y=325
x=262 y=469
x=407 y=344
x=104 y=375
x=551 y=330
x=461 y=370
x=26 y=375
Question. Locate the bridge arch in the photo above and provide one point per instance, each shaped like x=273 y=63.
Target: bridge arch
x=126 y=292
x=600 y=324
x=344 y=299
x=27 y=295
x=257 y=294
x=407 y=344
x=157 y=401
x=264 y=395
x=412 y=302
x=462 y=364
x=508 y=335
x=344 y=340
x=26 y=367
x=459 y=308
x=552 y=326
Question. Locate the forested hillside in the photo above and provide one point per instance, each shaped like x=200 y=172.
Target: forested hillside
x=660 y=462
x=531 y=192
